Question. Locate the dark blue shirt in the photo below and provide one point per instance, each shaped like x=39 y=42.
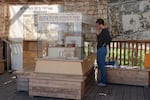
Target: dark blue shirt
x=103 y=38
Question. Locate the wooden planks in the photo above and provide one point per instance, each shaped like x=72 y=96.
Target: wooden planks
x=2 y=61
x=64 y=66
x=128 y=76
x=115 y=92
x=29 y=53
x=60 y=85
x=1 y=66
x=54 y=85
x=52 y=88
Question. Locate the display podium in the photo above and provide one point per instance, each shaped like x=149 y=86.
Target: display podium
x=64 y=67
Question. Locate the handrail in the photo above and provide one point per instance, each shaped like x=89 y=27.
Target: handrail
x=129 y=52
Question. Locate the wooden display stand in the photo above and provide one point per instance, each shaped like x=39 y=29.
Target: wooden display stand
x=62 y=66
x=138 y=77
x=54 y=85
x=60 y=86
x=57 y=78
x=62 y=78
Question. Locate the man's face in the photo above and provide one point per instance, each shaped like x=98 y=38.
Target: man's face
x=99 y=26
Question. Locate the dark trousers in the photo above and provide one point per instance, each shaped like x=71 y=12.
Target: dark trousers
x=101 y=57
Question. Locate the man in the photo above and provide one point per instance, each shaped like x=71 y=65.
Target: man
x=103 y=40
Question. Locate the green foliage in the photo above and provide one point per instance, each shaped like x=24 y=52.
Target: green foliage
x=128 y=56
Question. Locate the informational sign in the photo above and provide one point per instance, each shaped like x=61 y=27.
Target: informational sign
x=24 y=19
x=73 y=17
x=61 y=18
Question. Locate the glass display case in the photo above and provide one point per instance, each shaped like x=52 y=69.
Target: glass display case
x=62 y=35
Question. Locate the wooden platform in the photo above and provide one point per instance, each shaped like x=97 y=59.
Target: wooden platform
x=54 y=85
x=59 y=86
x=138 y=77
x=114 y=92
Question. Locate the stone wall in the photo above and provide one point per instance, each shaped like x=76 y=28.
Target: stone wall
x=88 y=7
x=2 y=20
x=102 y=10
x=130 y=20
x=95 y=8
